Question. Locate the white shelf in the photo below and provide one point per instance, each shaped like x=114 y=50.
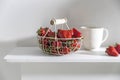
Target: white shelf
x=34 y=54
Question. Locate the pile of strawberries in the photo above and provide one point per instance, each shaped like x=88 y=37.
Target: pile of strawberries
x=59 y=46
x=113 y=50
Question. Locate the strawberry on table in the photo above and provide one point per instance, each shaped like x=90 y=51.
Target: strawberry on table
x=76 y=33
x=117 y=47
x=111 y=51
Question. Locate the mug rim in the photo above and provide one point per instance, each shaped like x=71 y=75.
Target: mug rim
x=91 y=27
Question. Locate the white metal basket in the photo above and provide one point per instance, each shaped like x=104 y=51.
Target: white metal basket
x=58 y=46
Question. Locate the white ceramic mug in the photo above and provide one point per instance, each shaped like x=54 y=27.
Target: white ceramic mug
x=93 y=37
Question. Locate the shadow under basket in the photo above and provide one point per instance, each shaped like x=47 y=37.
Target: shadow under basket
x=59 y=46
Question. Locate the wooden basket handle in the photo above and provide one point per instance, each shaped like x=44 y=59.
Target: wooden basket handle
x=58 y=21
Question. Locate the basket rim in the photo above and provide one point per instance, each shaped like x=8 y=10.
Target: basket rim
x=39 y=37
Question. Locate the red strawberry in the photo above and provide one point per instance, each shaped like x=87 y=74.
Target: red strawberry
x=57 y=43
x=41 y=32
x=111 y=51
x=46 y=29
x=65 y=33
x=54 y=50
x=76 y=33
x=74 y=44
x=65 y=50
x=51 y=34
x=117 y=47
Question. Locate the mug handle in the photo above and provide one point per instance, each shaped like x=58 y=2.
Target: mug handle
x=106 y=36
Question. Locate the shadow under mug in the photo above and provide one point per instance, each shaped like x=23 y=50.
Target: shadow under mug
x=93 y=37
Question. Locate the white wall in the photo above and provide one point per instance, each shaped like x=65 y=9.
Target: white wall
x=101 y=13
x=19 y=20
